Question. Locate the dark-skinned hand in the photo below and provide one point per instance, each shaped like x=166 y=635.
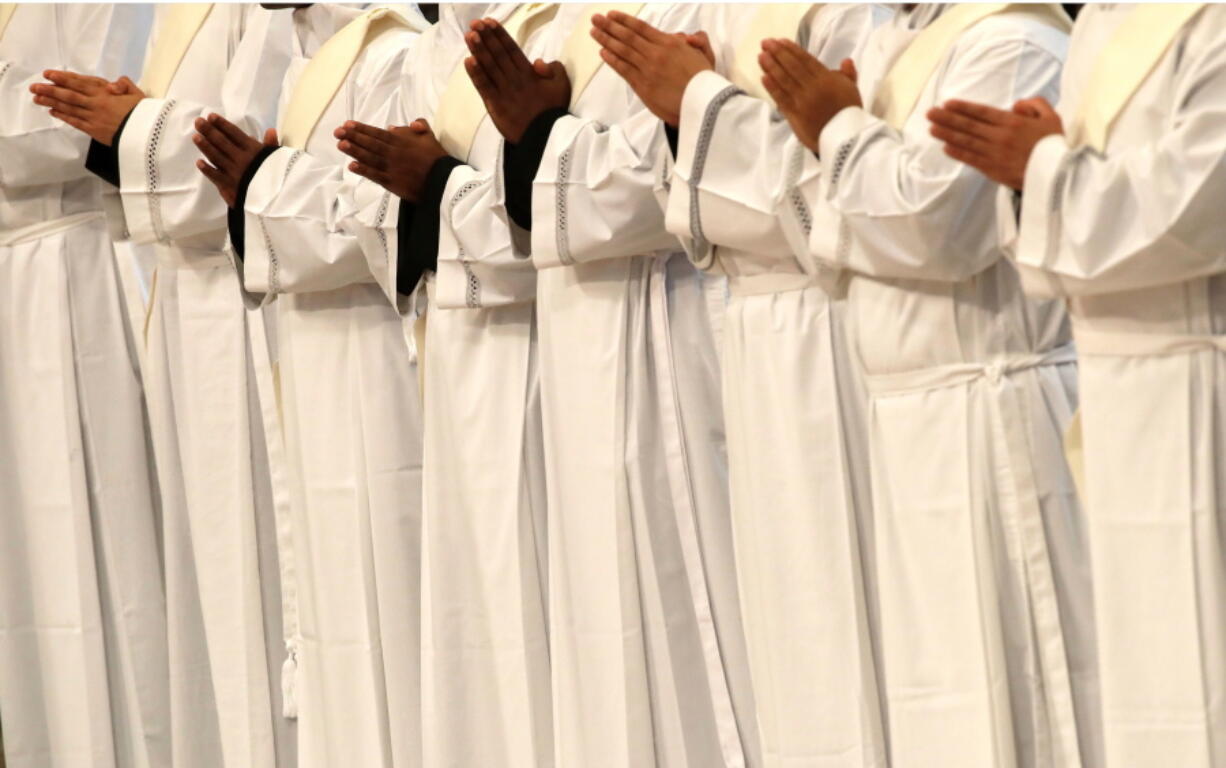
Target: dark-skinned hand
x=397 y=159
x=806 y=92
x=994 y=141
x=229 y=152
x=656 y=65
x=92 y=105
x=514 y=89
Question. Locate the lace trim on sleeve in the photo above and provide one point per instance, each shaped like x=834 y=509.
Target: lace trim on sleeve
x=701 y=149
x=152 y=173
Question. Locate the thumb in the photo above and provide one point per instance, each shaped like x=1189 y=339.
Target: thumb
x=1036 y=107
x=122 y=86
x=703 y=43
x=848 y=68
x=541 y=69
x=270 y=138
x=420 y=125
x=1044 y=108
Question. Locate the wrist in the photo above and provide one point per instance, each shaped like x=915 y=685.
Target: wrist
x=118 y=125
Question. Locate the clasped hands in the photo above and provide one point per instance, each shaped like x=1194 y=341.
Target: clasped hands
x=399 y=158
x=93 y=105
x=658 y=67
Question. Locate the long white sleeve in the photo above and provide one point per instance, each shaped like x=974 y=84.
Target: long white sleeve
x=737 y=160
x=478 y=263
x=894 y=205
x=298 y=224
x=301 y=208
x=37 y=148
x=1148 y=214
x=594 y=196
x=739 y=164
x=95 y=39
x=165 y=197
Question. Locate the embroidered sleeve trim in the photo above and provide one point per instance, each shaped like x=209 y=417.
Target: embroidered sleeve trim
x=701 y=149
x=472 y=293
x=274 y=267
x=381 y=217
x=799 y=207
x=560 y=204
x=152 y=173
x=472 y=290
x=840 y=162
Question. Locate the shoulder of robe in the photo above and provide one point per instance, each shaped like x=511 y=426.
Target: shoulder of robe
x=675 y=17
x=389 y=49
x=1205 y=45
x=392 y=40
x=831 y=17
x=1014 y=28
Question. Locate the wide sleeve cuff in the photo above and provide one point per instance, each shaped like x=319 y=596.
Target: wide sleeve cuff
x=701 y=93
x=1040 y=217
x=103 y=161
x=418 y=227
x=235 y=216
x=829 y=233
x=840 y=135
x=521 y=161
x=145 y=130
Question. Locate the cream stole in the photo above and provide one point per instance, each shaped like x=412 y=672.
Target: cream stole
x=769 y=21
x=1124 y=64
x=900 y=91
x=6 y=13
x=581 y=53
x=461 y=109
x=323 y=75
x=176 y=29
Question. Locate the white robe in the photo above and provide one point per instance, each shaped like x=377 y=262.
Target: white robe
x=983 y=581
x=485 y=655
x=797 y=451
x=219 y=526
x=1133 y=237
x=82 y=611
x=646 y=640
x=352 y=423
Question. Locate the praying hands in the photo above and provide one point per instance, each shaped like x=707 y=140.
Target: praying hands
x=230 y=152
x=657 y=65
x=397 y=159
x=514 y=89
x=806 y=92
x=92 y=105
x=994 y=141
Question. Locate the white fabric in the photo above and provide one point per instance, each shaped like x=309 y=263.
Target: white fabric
x=1132 y=235
x=987 y=652
x=218 y=517
x=646 y=638
x=793 y=401
x=351 y=419
x=83 y=677
x=485 y=654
